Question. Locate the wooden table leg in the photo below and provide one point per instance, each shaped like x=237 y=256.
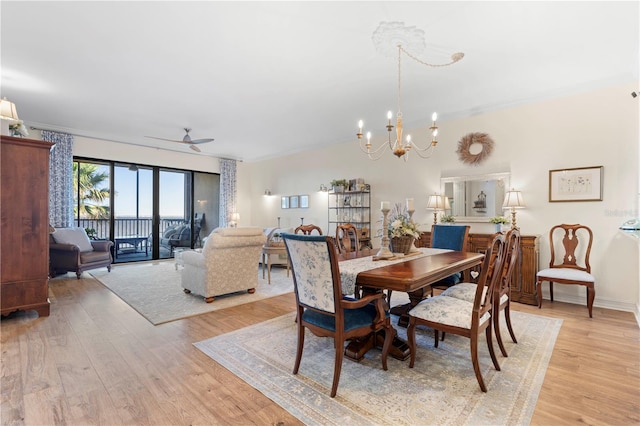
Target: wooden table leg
x=415 y=297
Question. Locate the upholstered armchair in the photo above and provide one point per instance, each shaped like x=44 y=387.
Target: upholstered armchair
x=228 y=263
x=70 y=250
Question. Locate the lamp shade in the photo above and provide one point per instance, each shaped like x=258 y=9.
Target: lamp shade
x=513 y=199
x=437 y=202
x=8 y=110
x=235 y=217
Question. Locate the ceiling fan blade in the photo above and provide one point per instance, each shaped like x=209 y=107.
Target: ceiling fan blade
x=162 y=139
x=195 y=148
x=202 y=140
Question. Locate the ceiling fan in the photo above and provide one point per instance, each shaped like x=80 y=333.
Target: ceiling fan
x=186 y=140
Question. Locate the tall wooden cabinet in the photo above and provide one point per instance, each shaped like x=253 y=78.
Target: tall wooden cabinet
x=24 y=242
x=523 y=290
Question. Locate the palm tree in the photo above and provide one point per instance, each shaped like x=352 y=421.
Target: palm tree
x=92 y=193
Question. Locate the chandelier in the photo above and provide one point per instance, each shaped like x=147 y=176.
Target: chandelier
x=396 y=33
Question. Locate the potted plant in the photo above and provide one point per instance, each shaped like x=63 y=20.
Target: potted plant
x=499 y=222
x=339 y=185
x=401 y=230
x=448 y=219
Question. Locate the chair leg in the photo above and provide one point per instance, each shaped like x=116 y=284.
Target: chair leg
x=539 y=293
x=492 y=352
x=296 y=366
x=473 y=342
x=436 y=338
x=389 y=335
x=591 y=295
x=496 y=326
x=507 y=317
x=411 y=338
x=337 y=367
x=551 y=290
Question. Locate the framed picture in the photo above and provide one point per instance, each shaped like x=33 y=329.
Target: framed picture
x=293 y=201
x=304 y=201
x=284 y=203
x=577 y=184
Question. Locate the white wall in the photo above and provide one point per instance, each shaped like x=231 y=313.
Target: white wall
x=593 y=129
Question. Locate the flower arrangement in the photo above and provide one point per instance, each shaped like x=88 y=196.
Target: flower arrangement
x=400 y=225
x=447 y=219
x=499 y=220
x=18 y=128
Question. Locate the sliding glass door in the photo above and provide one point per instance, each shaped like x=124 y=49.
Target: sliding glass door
x=148 y=212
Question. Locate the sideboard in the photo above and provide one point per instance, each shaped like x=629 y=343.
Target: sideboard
x=523 y=288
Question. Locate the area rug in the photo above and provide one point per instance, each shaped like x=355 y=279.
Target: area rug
x=441 y=389
x=154 y=290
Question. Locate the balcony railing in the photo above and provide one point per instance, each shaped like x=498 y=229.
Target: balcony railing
x=124 y=227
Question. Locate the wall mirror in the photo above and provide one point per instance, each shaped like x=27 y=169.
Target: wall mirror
x=476 y=198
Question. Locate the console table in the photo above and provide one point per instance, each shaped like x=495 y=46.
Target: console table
x=523 y=288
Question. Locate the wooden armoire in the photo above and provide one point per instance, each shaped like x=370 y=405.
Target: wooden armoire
x=24 y=242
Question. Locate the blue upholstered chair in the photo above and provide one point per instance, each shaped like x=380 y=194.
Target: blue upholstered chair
x=321 y=307
x=457 y=316
x=451 y=237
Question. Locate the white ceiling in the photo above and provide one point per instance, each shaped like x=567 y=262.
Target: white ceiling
x=270 y=78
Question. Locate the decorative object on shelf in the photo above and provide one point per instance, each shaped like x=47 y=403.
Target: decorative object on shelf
x=8 y=115
x=410 y=41
x=18 y=129
x=499 y=222
x=437 y=203
x=384 y=252
x=448 y=219
x=577 y=184
x=339 y=185
x=267 y=192
x=480 y=204
x=323 y=188
x=482 y=140
x=513 y=200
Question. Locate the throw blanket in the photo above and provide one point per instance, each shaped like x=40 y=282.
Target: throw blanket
x=349 y=269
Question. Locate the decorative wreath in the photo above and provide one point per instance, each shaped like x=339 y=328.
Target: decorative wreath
x=465 y=143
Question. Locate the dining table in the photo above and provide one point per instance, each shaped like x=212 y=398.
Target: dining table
x=412 y=274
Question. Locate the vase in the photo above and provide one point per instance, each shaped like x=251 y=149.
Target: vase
x=402 y=244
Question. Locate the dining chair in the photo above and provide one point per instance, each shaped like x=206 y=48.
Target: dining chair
x=574 y=267
x=347 y=238
x=457 y=316
x=321 y=307
x=307 y=229
x=502 y=296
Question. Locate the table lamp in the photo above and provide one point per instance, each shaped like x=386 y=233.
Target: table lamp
x=513 y=200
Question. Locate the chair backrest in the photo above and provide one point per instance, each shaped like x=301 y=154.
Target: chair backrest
x=574 y=255
x=511 y=258
x=316 y=276
x=308 y=229
x=347 y=238
x=490 y=275
x=452 y=237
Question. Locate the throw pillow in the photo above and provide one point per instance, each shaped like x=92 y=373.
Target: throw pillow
x=76 y=236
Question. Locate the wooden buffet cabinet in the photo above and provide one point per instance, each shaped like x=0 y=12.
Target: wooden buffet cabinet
x=523 y=289
x=24 y=242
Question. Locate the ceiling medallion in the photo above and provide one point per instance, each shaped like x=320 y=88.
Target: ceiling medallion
x=390 y=39
x=483 y=140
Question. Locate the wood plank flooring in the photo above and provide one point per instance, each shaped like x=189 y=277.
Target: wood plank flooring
x=96 y=361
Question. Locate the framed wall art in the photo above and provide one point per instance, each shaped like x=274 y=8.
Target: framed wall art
x=284 y=203
x=304 y=201
x=294 y=201
x=577 y=184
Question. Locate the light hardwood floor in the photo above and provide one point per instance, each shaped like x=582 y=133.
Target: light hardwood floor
x=96 y=361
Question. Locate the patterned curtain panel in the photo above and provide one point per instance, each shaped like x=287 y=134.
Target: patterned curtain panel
x=227 y=190
x=60 y=179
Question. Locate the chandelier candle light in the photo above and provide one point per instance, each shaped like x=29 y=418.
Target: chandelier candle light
x=393 y=32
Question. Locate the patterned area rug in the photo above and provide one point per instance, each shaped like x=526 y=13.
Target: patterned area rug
x=441 y=389
x=153 y=289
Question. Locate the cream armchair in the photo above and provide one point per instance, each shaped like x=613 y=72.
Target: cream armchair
x=228 y=263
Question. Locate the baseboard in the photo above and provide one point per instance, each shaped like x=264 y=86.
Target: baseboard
x=599 y=302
